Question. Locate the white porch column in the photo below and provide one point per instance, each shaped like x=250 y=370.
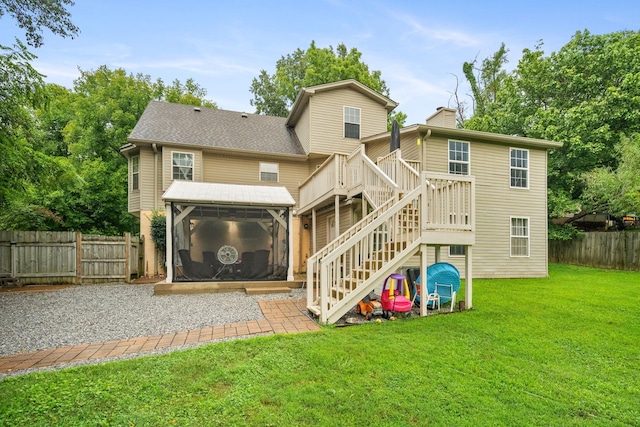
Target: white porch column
x=169 y=243
x=337 y=214
x=437 y=253
x=290 y=245
x=423 y=279
x=468 y=277
x=314 y=231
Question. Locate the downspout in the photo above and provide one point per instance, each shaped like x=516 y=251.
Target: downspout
x=155 y=175
x=155 y=200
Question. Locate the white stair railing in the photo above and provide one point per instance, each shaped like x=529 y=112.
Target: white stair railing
x=364 y=176
x=358 y=260
x=401 y=172
x=349 y=271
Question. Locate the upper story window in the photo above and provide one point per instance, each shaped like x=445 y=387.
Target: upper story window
x=135 y=172
x=519 y=237
x=519 y=168
x=459 y=157
x=269 y=172
x=351 y=122
x=182 y=165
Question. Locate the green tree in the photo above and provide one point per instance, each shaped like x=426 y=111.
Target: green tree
x=33 y=15
x=616 y=191
x=586 y=95
x=488 y=81
x=21 y=91
x=274 y=94
x=189 y=93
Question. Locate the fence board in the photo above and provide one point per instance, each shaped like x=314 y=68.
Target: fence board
x=616 y=250
x=68 y=257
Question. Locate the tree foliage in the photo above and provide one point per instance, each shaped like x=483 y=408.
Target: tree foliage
x=486 y=81
x=586 y=95
x=274 y=94
x=33 y=15
x=616 y=191
x=73 y=175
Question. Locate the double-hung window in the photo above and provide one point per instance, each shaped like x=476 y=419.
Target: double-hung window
x=135 y=172
x=269 y=172
x=182 y=166
x=458 y=165
x=519 y=168
x=351 y=122
x=459 y=157
x=519 y=237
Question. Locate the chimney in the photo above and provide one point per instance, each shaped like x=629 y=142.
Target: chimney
x=443 y=117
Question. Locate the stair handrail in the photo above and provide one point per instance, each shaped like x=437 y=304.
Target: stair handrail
x=362 y=172
x=359 y=248
x=401 y=172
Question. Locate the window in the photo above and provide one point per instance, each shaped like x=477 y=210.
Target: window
x=519 y=237
x=135 y=172
x=459 y=157
x=457 y=250
x=182 y=164
x=519 y=168
x=351 y=122
x=269 y=172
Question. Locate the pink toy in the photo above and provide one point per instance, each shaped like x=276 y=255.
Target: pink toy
x=395 y=295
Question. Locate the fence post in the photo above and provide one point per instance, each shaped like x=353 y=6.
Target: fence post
x=78 y=258
x=127 y=257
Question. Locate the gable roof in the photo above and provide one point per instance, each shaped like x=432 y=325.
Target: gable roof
x=167 y=123
x=307 y=92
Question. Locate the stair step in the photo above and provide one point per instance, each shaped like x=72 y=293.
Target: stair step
x=315 y=309
x=270 y=290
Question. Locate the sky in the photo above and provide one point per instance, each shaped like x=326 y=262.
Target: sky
x=418 y=46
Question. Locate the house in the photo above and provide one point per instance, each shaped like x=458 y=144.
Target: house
x=251 y=197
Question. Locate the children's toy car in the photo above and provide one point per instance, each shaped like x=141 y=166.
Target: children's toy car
x=369 y=308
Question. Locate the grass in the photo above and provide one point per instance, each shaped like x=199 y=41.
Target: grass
x=559 y=351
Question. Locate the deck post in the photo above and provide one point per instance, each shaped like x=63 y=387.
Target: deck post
x=314 y=231
x=468 y=277
x=423 y=279
x=337 y=215
x=169 y=243
x=290 y=277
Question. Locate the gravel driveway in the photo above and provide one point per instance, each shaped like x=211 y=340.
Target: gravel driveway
x=31 y=321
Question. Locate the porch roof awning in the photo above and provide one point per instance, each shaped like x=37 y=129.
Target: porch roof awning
x=230 y=194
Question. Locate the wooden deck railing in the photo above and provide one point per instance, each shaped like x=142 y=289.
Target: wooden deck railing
x=328 y=179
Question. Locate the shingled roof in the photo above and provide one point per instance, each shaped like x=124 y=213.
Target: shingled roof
x=166 y=123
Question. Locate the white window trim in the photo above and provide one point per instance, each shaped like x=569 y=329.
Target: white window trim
x=344 y=121
x=449 y=161
x=525 y=169
x=528 y=237
x=266 y=170
x=133 y=173
x=193 y=166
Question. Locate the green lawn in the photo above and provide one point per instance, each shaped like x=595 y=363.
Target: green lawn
x=560 y=351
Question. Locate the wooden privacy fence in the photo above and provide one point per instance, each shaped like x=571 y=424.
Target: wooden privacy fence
x=618 y=250
x=47 y=257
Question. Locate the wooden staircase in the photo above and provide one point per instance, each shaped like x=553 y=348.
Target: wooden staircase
x=412 y=211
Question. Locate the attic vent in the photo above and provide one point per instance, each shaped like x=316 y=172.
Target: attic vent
x=196 y=109
x=244 y=115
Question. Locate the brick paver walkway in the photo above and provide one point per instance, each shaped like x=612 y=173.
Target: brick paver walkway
x=281 y=317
